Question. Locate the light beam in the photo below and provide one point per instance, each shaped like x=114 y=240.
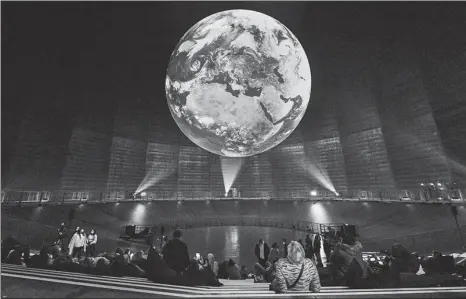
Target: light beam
x=230 y=170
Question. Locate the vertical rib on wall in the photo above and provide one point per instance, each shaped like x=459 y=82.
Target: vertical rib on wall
x=87 y=162
x=445 y=83
x=326 y=162
x=127 y=164
x=161 y=175
x=288 y=170
x=410 y=132
x=194 y=172
x=38 y=156
x=216 y=178
x=366 y=159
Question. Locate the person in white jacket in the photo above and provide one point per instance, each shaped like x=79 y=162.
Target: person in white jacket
x=78 y=244
x=91 y=241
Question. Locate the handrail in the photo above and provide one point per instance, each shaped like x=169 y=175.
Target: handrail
x=50 y=197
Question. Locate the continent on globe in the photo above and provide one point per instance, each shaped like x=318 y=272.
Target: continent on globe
x=238 y=83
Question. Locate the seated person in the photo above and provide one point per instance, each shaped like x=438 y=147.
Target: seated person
x=222 y=270
x=244 y=272
x=14 y=251
x=263 y=274
x=348 y=265
x=295 y=273
x=212 y=263
x=175 y=253
x=233 y=270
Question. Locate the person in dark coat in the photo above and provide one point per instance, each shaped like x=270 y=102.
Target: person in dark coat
x=262 y=251
x=175 y=253
x=317 y=246
x=62 y=236
x=308 y=248
x=158 y=271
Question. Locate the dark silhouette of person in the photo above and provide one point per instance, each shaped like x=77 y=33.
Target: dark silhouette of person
x=62 y=236
x=175 y=253
x=261 y=250
x=162 y=230
x=309 y=249
x=317 y=246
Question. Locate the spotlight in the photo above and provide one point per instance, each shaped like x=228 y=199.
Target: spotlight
x=422 y=184
x=313 y=193
x=337 y=194
x=143 y=194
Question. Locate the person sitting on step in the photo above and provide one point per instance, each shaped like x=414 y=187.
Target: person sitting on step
x=296 y=273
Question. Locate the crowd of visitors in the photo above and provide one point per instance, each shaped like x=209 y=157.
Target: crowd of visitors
x=295 y=267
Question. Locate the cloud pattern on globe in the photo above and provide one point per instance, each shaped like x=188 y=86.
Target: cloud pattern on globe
x=238 y=83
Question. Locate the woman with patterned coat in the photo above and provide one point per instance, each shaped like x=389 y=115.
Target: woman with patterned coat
x=296 y=273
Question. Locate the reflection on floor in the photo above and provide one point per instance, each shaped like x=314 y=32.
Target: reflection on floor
x=23 y=282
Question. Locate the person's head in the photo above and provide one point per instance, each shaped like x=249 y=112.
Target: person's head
x=210 y=258
x=296 y=254
x=261 y=241
x=274 y=245
x=300 y=241
x=165 y=238
x=62 y=224
x=127 y=251
x=119 y=251
x=78 y=229
x=177 y=234
x=308 y=237
x=81 y=231
x=436 y=253
x=285 y=241
x=348 y=239
x=231 y=263
x=92 y=231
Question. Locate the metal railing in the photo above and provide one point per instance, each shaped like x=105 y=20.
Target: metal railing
x=15 y=197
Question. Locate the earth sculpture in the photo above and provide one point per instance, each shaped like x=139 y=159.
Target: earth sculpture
x=238 y=83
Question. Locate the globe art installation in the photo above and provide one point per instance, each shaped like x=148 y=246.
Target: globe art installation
x=238 y=83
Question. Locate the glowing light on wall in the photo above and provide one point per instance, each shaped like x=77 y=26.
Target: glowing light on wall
x=232 y=246
x=319 y=214
x=313 y=193
x=230 y=170
x=138 y=214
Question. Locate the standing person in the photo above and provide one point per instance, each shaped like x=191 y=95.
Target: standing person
x=91 y=241
x=163 y=242
x=262 y=251
x=175 y=253
x=77 y=245
x=309 y=249
x=71 y=216
x=274 y=253
x=62 y=236
x=317 y=246
x=295 y=273
x=162 y=230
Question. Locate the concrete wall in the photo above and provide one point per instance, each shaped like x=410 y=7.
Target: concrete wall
x=422 y=227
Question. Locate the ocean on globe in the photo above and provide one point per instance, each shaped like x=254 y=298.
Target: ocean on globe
x=238 y=83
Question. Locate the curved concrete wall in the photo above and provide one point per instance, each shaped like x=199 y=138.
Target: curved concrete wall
x=379 y=223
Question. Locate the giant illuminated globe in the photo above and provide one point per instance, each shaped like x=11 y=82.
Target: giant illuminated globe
x=238 y=83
